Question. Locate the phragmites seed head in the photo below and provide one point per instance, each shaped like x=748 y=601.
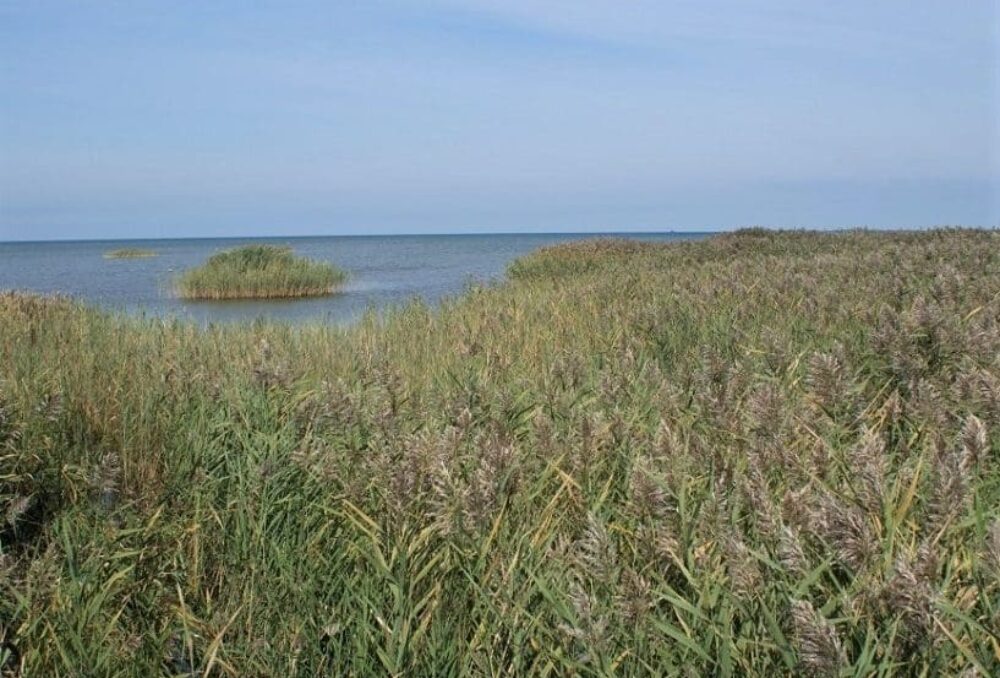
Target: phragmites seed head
x=590 y=627
x=909 y=594
x=17 y=509
x=926 y=562
x=595 y=552
x=666 y=441
x=988 y=391
x=950 y=494
x=797 y=509
x=6 y=421
x=869 y=464
x=267 y=372
x=790 y=552
x=847 y=529
x=495 y=477
x=826 y=380
x=974 y=440
x=741 y=565
x=51 y=406
x=820 y=650
x=757 y=493
x=666 y=545
x=105 y=480
x=991 y=551
x=634 y=597
x=892 y=409
x=648 y=495
x=464 y=419
x=764 y=409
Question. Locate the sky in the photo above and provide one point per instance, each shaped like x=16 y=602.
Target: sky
x=134 y=118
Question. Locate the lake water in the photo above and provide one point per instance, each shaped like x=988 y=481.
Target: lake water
x=383 y=271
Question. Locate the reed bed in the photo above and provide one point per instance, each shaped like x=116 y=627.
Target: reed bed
x=259 y=272
x=130 y=253
x=758 y=454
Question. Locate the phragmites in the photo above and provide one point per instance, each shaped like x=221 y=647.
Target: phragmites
x=790 y=552
x=922 y=316
x=267 y=372
x=593 y=438
x=648 y=496
x=991 y=549
x=589 y=627
x=908 y=593
x=17 y=509
x=6 y=420
x=634 y=597
x=51 y=406
x=828 y=382
x=764 y=410
x=869 y=466
x=695 y=458
x=952 y=477
x=980 y=386
x=741 y=565
x=891 y=410
x=410 y=468
x=798 y=509
x=819 y=647
x=595 y=553
x=928 y=404
x=989 y=393
x=666 y=545
x=758 y=496
x=974 y=443
x=330 y=408
x=315 y=458
x=106 y=479
x=666 y=442
x=847 y=528
x=493 y=479
x=543 y=433
x=468 y=502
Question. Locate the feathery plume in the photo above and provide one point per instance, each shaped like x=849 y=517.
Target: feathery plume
x=819 y=646
x=17 y=509
x=974 y=439
x=595 y=552
x=869 y=463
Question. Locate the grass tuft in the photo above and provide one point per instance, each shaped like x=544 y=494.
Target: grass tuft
x=259 y=272
x=130 y=253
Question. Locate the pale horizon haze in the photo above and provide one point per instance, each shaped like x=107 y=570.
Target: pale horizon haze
x=148 y=119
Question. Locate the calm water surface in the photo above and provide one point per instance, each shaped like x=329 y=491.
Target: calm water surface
x=383 y=270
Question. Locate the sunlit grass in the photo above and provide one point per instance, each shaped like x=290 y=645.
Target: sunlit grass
x=259 y=272
x=758 y=454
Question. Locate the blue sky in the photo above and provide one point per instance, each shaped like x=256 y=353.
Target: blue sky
x=128 y=118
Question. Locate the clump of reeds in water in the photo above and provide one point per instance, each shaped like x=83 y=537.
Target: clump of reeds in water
x=259 y=272
x=130 y=253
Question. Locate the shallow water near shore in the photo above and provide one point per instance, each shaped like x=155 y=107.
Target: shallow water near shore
x=383 y=271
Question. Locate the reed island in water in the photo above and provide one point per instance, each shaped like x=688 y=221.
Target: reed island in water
x=259 y=272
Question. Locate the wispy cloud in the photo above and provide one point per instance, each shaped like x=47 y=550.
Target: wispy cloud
x=903 y=25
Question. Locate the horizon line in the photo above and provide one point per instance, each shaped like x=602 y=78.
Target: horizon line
x=365 y=235
x=499 y=233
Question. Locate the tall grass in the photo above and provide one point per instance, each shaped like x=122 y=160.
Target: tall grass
x=759 y=454
x=259 y=271
x=129 y=253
